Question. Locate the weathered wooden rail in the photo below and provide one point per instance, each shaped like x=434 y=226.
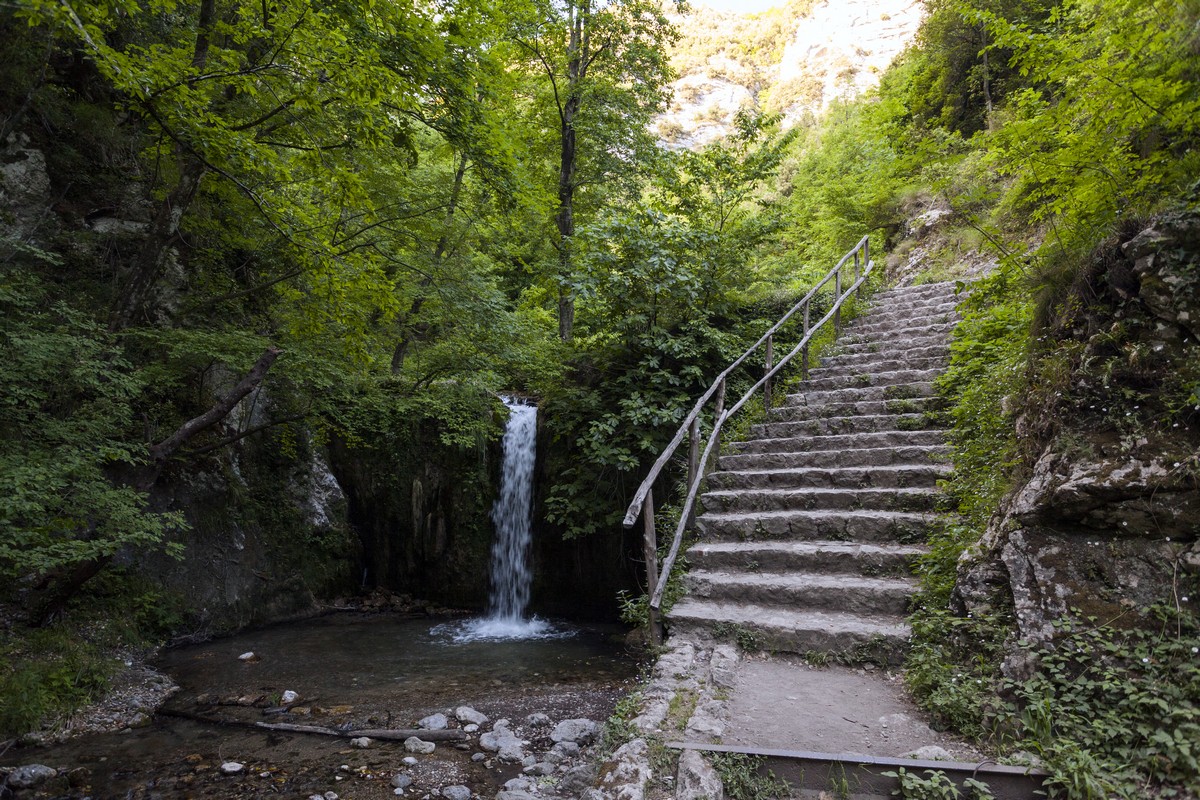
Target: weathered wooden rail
x=698 y=455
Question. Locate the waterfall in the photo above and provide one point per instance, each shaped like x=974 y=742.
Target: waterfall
x=511 y=515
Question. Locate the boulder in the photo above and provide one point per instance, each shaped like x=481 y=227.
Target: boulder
x=580 y=731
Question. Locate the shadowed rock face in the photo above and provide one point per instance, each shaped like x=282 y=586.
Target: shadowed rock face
x=1106 y=519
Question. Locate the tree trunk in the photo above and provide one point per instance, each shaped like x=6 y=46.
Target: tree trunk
x=568 y=160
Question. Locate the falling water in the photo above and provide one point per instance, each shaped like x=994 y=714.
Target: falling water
x=511 y=515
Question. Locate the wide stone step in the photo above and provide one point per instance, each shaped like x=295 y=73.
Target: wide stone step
x=932 y=352
x=893 y=346
x=887 y=312
x=847 y=379
x=853 y=594
x=915 y=330
x=826 y=426
x=921 y=292
x=760 y=500
x=787 y=630
x=875 y=328
x=851 y=558
x=858 y=394
x=884 y=362
x=802 y=525
x=841 y=441
x=862 y=457
x=866 y=408
x=923 y=476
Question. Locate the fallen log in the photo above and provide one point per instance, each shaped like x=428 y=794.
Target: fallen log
x=387 y=734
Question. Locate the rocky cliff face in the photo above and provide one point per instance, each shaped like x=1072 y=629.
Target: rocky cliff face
x=1106 y=518
x=795 y=61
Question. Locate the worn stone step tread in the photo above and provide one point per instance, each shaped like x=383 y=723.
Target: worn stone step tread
x=840 y=441
x=821 y=498
x=856 y=394
x=846 y=549
x=825 y=426
x=788 y=473
x=830 y=622
x=862 y=408
x=807 y=580
x=855 y=379
x=897 y=455
x=814 y=515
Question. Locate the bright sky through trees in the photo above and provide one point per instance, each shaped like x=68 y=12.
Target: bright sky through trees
x=739 y=6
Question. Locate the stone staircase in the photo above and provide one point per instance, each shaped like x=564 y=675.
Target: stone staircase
x=810 y=527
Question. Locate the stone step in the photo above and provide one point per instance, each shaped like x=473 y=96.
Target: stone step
x=849 y=379
x=841 y=441
x=934 y=352
x=883 y=362
x=786 y=630
x=760 y=500
x=915 y=330
x=852 y=594
x=892 y=311
x=858 y=394
x=875 y=328
x=892 y=347
x=802 y=525
x=921 y=292
x=910 y=405
x=825 y=426
x=854 y=558
x=916 y=476
x=862 y=457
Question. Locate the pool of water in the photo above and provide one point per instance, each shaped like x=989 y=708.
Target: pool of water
x=351 y=671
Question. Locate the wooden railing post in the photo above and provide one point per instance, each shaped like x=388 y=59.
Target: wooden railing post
x=650 y=552
x=717 y=415
x=770 y=363
x=804 y=352
x=837 y=293
x=693 y=464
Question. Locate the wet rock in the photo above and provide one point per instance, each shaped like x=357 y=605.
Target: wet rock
x=330 y=796
x=469 y=716
x=503 y=742
x=31 y=775
x=456 y=793
x=471 y=728
x=537 y=720
x=414 y=745
x=249 y=656
x=477 y=757
x=575 y=781
x=289 y=697
x=232 y=768
x=579 y=731
x=697 y=779
x=409 y=761
x=361 y=742
x=434 y=722
x=401 y=781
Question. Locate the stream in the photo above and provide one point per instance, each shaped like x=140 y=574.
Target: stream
x=351 y=671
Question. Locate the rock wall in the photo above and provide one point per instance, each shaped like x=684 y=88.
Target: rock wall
x=1106 y=517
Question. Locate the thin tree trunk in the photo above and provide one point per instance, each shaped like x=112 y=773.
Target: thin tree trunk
x=568 y=161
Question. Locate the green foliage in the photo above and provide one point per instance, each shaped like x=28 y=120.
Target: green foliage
x=745 y=777
x=1116 y=713
x=67 y=409
x=936 y=786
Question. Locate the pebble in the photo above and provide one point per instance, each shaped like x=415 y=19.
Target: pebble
x=401 y=781
x=537 y=721
x=414 y=745
x=472 y=728
x=249 y=656
x=434 y=722
x=331 y=796
x=466 y=714
x=456 y=793
x=362 y=742
x=232 y=768
x=478 y=757
x=409 y=760
x=289 y=697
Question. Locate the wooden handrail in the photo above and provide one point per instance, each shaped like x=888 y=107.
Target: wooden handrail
x=635 y=506
x=643 y=498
